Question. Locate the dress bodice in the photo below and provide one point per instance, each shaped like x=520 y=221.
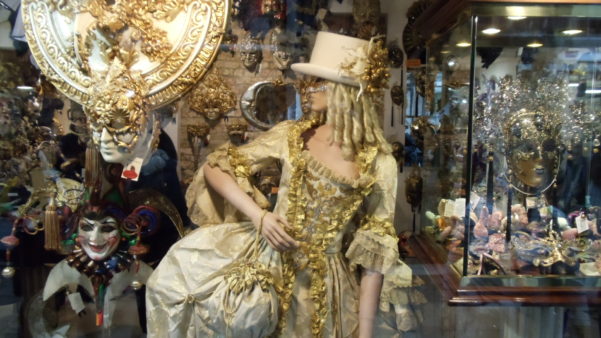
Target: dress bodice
x=332 y=200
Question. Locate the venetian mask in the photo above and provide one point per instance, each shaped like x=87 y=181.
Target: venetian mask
x=123 y=147
x=212 y=97
x=282 y=54
x=397 y=95
x=395 y=55
x=119 y=119
x=250 y=53
x=98 y=236
x=273 y=7
x=531 y=149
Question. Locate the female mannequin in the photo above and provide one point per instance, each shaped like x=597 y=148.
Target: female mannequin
x=328 y=172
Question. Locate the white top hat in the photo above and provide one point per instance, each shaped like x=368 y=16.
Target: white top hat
x=330 y=54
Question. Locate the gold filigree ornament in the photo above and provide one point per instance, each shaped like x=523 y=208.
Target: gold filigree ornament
x=369 y=66
x=170 y=43
x=212 y=97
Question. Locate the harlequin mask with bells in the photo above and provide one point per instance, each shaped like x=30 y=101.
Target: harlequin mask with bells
x=107 y=241
x=531 y=148
x=121 y=122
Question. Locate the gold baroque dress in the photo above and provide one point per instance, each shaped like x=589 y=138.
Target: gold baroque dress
x=340 y=223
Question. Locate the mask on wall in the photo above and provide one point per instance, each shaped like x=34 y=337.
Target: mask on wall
x=250 y=53
x=395 y=55
x=282 y=49
x=532 y=149
x=212 y=97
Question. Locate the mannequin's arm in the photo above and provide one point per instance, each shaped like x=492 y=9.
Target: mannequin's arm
x=371 y=284
x=227 y=187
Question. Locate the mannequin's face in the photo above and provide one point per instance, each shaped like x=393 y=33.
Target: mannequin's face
x=99 y=238
x=532 y=153
x=318 y=97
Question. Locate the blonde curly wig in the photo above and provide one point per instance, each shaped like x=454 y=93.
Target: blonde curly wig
x=354 y=119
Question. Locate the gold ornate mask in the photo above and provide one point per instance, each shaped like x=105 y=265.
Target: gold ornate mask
x=117 y=105
x=212 y=97
x=531 y=148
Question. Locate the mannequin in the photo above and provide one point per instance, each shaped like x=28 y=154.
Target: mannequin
x=332 y=162
x=142 y=146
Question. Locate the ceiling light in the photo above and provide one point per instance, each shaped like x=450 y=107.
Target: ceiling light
x=516 y=18
x=573 y=84
x=572 y=31
x=445 y=51
x=25 y=88
x=534 y=44
x=463 y=44
x=491 y=31
x=593 y=91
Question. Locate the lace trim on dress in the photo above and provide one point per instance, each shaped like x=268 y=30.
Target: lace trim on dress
x=372 y=251
x=363 y=181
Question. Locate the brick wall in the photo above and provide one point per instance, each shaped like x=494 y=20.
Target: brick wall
x=238 y=79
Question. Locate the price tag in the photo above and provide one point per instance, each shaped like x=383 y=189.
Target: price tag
x=581 y=224
x=459 y=207
x=449 y=208
x=131 y=170
x=474 y=199
x=76 y=302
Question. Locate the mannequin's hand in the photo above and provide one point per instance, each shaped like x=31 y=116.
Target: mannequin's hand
x=273 y=231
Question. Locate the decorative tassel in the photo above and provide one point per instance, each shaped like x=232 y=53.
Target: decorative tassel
x=101 y=292
x=92 y=165
x=52 y=227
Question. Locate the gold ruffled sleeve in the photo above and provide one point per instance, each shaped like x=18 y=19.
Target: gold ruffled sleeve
x=375 y=247
x=207 y=207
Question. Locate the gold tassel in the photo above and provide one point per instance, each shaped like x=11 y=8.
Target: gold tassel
x=92 y=166
x=52 y=227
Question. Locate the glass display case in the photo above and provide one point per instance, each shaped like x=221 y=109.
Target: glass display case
x=512 y=146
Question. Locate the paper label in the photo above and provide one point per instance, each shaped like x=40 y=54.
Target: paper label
x=474 y=199
x=12 y=194
x=76 y=302
x=459 y=207
x=449 y=208
x=530 y=202
x=544 y=212
x=581 y=224
x=131 y=171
